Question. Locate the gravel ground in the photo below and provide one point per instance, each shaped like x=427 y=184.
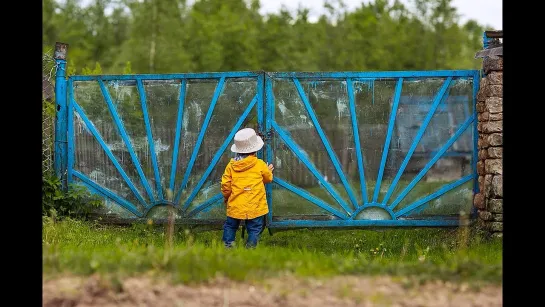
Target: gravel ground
x=283 y=291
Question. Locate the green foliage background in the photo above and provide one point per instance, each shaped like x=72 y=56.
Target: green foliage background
x=165 y=36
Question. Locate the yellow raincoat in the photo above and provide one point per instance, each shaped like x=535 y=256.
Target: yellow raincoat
x=242 y=185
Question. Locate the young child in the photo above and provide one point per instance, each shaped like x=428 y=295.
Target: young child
x=243 y=189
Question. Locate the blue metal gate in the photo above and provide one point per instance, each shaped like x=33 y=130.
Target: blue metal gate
x=371 y=148
x=349 y=148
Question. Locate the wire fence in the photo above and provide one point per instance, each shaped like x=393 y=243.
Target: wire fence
x=48 y=112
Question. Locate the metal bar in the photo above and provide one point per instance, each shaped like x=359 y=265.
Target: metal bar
x=70 y=136
x=373 y=74
x=269 y=115
x=364 y=223
x=429 y=116
x=207 y=203
x=356 y=134
x=219 y=153
x=428 y=166
x=61 y=143
x=260 y=86
x=316 y=75
x=178 y=134
x=325 y=141
x=476 y=85
x=295 y=149
x=125 y=137
x=108 y=152
x=212 y=75
x=105 y=192
x=309 y=197
x=217 y=93
x=391 y=124
x=143 y=99
x=486 y=40
x=444 y=189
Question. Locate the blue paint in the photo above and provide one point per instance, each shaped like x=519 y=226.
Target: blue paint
x=219 y=153
x=373 y=74
x=61 y=143
x=121 y=129
x=297 y=151
x=71 y=136
x=213 y=206
x=212 y=75
x=364 y=223
x=429 y=165
x=358 y=149
x=476 y=85
x=312 y=75
x=373 y=205
x=260 y=89
x=108 y=152
x=265 y=103
x=153 y=154
x=486 y=41
x=444 y=189
x=207 y=203
x=327 y=146
x=429 y=116
x=107 y=193
x=217 y=93
x=269 y=115
x=309 y=197
x=178 y=134
x=389 y=133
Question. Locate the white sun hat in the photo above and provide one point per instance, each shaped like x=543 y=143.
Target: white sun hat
x=247 y=141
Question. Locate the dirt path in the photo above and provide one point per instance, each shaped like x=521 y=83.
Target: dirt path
x=285 y=291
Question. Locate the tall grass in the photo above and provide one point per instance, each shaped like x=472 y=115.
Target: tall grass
x=78 y=247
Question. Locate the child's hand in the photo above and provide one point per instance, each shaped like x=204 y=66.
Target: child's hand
x=271 y=167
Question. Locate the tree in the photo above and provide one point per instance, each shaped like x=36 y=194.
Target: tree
x=166 y=36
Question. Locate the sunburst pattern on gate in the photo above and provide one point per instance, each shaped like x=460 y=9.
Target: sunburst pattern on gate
x=387 y=148
x=349 y=148
x=148 y=140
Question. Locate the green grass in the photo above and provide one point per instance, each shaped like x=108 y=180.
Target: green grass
x=83 y=248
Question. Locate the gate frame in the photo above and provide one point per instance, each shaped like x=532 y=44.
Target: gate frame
x=349 y=77
x=138 y=78
x=64 y=129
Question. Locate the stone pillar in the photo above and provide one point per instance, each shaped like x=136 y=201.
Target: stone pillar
x=489 y=200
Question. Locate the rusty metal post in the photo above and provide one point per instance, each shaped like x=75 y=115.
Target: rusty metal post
x=61 y=105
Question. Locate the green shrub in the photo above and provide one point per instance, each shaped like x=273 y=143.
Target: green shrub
x=77 y=202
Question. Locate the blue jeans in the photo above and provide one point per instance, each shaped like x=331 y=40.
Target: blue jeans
x=253 y=227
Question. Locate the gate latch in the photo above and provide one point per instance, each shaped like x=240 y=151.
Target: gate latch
x=265 y=136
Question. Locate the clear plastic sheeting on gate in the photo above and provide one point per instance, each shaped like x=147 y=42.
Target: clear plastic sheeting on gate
x=349 y=148
x=372 y=150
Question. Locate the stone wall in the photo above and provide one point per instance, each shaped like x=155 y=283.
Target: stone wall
x=489 y=200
